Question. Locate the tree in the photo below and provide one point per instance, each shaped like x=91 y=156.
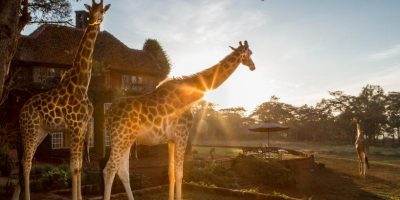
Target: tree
x=340 y=109
x=273 y=110
x=371 y=109
x=393 y=113
x=154 y=48
x=14 y=15
x=232 y=122
x=203 y=113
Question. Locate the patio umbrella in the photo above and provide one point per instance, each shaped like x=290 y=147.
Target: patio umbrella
x=268 y=127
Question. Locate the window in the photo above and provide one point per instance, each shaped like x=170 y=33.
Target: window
x=107 y=139
x=57 y=140
x=107 y=135
x=107 y=80
x=46 y=75
x=90 y=130
x=106 y=107
x=130 y=82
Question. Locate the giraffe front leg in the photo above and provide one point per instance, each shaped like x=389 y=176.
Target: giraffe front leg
x=79 y=175
x=359 y=162
x=109 y=172
x=75 y=165
x=171 y=170
x=179 y=158
x=74 y=175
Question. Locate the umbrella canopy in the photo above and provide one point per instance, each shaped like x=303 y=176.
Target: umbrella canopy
x=268 y=127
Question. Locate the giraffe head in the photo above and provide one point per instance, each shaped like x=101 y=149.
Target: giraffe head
x=245 y=55
x=356 y=120
x=96 y=12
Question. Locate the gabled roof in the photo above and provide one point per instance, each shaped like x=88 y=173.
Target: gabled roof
x=56 y=45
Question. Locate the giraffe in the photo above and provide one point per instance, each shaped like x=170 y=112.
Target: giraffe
x=65 y=108
x=362 y=150
x=163 y=116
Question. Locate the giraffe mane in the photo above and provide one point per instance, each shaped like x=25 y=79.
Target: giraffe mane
x=192 y=77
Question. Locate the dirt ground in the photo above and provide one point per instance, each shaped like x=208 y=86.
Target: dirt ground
x=340 y=177
x=337 y=177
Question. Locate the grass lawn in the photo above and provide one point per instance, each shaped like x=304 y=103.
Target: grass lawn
x=339 y=179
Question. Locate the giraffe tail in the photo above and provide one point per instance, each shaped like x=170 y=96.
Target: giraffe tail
x=366 y=162
x=135 y=146
x=87 y=153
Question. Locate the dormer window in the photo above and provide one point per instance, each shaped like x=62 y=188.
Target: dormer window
x=132 y=83
x=46 y=75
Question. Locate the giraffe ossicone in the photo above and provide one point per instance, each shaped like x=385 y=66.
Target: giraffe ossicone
x=163 y=116
x=65 y=108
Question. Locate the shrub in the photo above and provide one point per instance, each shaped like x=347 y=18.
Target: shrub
x=209 y=173
x=41 y=169
x=260 y=171
x=245 y=169
x=57 y=177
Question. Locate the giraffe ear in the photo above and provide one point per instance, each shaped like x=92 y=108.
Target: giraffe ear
x=88 y=7
x=232 y=48
x=107 y=7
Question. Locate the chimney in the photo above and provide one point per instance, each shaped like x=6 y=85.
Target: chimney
x=81 y=19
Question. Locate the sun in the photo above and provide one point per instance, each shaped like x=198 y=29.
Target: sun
x=208 y=96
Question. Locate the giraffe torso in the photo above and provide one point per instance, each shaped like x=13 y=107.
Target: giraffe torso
x=150 y=119
x=56 y=110
x=361 y=144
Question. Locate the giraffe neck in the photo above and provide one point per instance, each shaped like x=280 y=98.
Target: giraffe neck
x=80 y=73
x=214 y=76
x=189 y=90
x=359 y=134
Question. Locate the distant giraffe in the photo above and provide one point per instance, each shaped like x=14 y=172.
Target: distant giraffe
x=65 y=108
x=163 y=116
x=362 y=149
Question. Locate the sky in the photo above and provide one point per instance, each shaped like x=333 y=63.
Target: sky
x=301 y=48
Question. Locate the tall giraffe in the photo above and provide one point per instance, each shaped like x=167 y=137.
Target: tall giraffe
x=163 y=116
x=362 y=149
x=65 y=108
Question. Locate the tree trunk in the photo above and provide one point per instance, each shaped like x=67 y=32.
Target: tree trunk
x=9 y=23
x=398 y=134
x=393 y=140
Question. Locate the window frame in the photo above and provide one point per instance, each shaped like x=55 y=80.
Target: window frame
x=57 y=140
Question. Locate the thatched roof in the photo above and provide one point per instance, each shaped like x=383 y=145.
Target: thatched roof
x=57 y=45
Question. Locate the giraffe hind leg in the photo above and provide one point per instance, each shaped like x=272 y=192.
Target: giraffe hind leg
x=123 y=174
x=179 y=159
x=366 y=161
x=31 y=140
